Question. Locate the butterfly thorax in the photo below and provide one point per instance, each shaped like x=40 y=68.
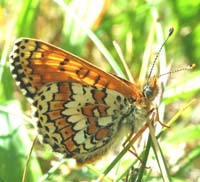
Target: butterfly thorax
x=143 y=103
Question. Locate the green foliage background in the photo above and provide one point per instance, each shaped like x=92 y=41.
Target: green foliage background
x=137 y=26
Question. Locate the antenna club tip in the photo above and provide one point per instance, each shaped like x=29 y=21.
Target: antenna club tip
x=192 y=66
x=171 y=30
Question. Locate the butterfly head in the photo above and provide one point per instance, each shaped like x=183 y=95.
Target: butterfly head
x=150 y=89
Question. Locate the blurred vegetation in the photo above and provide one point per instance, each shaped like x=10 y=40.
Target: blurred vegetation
x=138 y=26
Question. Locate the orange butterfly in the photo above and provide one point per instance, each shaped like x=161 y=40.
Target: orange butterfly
x=82 y=111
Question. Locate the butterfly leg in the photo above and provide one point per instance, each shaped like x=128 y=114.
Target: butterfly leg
x=155 y=117
x=131 y=139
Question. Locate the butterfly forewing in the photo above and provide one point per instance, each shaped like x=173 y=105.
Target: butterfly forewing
x=35 y=63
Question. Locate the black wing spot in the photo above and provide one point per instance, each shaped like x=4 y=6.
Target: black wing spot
x=62 y=69
x=16 y=51
x=96 y=80
x=64 y=62
x=22 y=54
x=39 y=125
x=42 y=97
x=119 y=98
x=40 y=107
x=47 y=129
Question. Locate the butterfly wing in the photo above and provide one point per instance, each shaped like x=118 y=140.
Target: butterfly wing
x=35 y=63
x=81 y=110
x=81 y=121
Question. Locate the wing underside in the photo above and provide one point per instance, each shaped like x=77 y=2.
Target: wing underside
x=35 y=63
x=82 y=123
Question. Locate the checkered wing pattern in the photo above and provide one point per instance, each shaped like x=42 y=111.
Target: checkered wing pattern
x=80 y=121
x=35 y=63
x=82 y=111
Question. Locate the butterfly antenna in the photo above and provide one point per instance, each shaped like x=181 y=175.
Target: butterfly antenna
x=189 y=67
x=171 y=30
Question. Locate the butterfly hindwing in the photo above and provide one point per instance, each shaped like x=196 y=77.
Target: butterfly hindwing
x=77 y=120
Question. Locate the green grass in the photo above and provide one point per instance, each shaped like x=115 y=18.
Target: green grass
x=139 y=27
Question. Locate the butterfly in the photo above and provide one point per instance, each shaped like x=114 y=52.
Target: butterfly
x=82 y=111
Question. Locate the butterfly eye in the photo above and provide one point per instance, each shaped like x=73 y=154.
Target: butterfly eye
x=150 y=89
x=148 y=92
